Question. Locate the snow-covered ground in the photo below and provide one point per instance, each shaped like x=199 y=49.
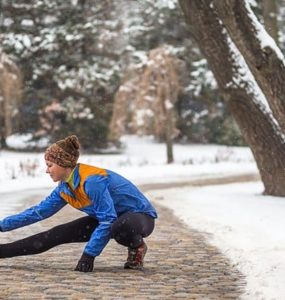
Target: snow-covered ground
x=247 y=227
x=243 y=224
x=143 y=161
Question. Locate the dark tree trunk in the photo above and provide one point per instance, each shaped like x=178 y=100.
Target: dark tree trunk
x=169 y=138
x=3 y=144
x=257 y=126
x=265 y=62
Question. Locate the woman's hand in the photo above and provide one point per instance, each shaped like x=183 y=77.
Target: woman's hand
x=85 y=263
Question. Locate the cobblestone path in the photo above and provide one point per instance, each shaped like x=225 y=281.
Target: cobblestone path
x=179 y=265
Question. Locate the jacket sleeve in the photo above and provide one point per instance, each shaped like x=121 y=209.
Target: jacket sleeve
x=97 y=191
x=46 y=208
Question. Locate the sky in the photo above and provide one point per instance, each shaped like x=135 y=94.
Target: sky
x=245 y=225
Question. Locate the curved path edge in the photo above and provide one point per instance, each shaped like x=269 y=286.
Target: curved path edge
x=202 y=181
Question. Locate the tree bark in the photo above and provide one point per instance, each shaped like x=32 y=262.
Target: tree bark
x=169 y=130
x=259 y=129
x=263 y=57
x=270 y=12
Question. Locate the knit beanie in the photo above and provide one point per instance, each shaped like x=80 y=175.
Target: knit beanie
x=64 y=152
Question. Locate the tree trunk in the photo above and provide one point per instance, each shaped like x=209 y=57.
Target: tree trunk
x=169 y=129
x=7 y=114
x=259 y=129
x=262 y=55
x=270 y=13
x=169 y=151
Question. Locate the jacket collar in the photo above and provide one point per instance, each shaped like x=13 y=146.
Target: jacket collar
x=76 y=177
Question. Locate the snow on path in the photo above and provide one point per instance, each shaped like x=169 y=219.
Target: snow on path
x=246 y=226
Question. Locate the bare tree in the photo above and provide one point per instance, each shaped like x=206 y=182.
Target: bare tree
x=123 y=103
x=240 y=92
x=161 y=84
x=147 y=99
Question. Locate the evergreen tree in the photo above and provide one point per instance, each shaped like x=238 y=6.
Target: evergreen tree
x=67 y=52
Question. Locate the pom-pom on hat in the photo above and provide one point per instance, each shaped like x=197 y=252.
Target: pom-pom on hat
x=64 y=152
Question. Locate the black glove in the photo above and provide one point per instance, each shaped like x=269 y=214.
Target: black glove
x=85 y=263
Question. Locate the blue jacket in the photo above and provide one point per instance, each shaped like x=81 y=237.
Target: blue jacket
x=100 y=193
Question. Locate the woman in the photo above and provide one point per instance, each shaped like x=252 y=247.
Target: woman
x=115 y=208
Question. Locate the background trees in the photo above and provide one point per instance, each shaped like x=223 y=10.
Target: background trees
x=69 y=53
x=74 y=55
x=75 y=58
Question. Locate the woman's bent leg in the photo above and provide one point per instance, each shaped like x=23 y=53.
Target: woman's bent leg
x=76 y=231
x=130 y=229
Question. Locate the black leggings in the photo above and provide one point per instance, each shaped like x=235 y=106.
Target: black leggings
x=128 y=230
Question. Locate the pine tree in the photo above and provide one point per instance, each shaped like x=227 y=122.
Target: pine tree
x=65 y=51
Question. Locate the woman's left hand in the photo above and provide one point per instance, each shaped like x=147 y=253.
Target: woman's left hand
x=85 y=264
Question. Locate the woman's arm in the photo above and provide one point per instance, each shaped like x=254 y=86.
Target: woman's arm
x=104 y=212
x=46 y=208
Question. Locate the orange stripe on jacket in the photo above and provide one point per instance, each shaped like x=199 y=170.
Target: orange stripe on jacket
x=80 y=198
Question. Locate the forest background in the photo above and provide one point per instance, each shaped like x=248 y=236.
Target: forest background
x=72 y=58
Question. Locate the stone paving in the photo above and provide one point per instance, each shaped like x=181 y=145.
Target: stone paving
x=180 y=264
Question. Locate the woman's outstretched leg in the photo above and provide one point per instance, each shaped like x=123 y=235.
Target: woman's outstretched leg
x=77 y=231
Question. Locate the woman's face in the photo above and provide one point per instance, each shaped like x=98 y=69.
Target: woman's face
x=56 y=172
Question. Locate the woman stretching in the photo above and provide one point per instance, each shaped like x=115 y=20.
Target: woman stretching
x=114 y=206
